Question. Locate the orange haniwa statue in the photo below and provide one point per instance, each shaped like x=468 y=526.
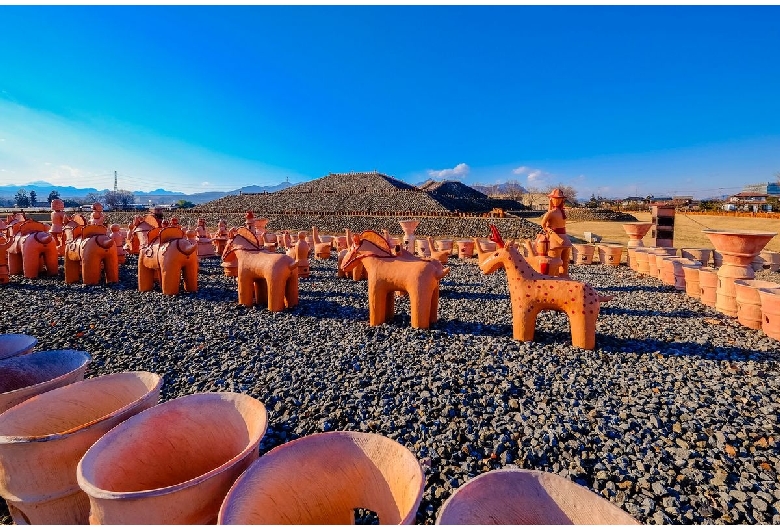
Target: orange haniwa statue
x=554 y=223
x=173 y=256
x=32 y=250
x=300 y=252
x=97 y=217
x=532 y=292
x=5 y=243
x=220 y=237
x=89 y=253
x=119 y=240
x=388 y=273
x=264 y=277
x=205 y=246
x=321 y=249
x=358 y=271
x=440 y=255
x=58 y=219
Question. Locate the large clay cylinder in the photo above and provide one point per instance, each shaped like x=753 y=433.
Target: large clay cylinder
x=16 y=344
x=43 y=439
x=702 y=255
x=642 y=255
x=582 y=253
x=324 y=478
x=465 y=248
x=727 y=292
x=691 y=273
x=25 y=376
x=173 y=463
x=666 y=269
x=717 y=259
x=487 y=245
x=631 y=257
x=708 y=285
x=652 y=266
x=444 y=244
x=749 y=301
x=526 y=497
x=422 y=248
x=678 y=265
x=771 y=260
x=610 y=254
x=770 y=312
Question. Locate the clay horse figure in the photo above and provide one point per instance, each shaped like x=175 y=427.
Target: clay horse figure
x=388 y=273
x=532 y=292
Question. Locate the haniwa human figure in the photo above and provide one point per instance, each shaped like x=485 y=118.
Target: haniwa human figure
x=554 y=223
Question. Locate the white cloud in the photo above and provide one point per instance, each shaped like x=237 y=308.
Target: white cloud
x=522 y=170
x=205 y=184
x=458 y=172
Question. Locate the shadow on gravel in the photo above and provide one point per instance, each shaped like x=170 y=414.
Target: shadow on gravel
x=683 y=313
x=473 y=328
x=645 y=288
x=324 y=309
x=219 y=294
x=607 y=344
x=463 y=295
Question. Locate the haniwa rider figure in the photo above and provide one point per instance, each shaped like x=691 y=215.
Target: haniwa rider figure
x=554 y=225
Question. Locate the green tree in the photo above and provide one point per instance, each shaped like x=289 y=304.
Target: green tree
x=53 y=194
x=33 y=197
x=181 y=203
x=21 y=198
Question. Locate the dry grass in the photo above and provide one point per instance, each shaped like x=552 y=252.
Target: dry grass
x=687 y=229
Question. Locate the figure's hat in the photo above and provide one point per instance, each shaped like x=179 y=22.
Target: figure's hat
x=249 y=216
x=557 y=194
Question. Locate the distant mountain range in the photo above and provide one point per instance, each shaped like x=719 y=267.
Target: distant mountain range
x=158 y=196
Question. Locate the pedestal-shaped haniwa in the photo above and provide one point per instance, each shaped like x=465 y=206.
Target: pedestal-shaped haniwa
x=409 y=226
x=738 y=249
x=636 y=231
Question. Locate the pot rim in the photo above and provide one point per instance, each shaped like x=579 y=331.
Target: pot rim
x=18 y=337
x=304 y=439
x=99 y=493
x=7 y=439
x=86 y=359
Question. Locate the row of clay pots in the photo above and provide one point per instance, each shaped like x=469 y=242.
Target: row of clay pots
x=608 y=253
x=102 y=451
x=757 y=302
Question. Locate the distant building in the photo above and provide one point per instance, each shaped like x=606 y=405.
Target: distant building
x=747 y=201
x=771 y=189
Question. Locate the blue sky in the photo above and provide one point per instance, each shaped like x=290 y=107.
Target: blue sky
x=611 y=100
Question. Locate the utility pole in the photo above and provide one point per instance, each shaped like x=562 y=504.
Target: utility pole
x=115 y=190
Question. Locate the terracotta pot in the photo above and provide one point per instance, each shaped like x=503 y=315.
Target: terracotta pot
x=691 y=274
x=717 y=259
x=708 y=285
x=525 y=497
x=582 y=253
x=445 y=244
x=25 y=376
x=43 y=439
x=770 y=312
x=641 y=254
x=749 y=301
x=738 y=249
x=465 y=248
x=610 y=254
x=654 y=264
x=678 y=273
x=636 y=231
x=666 y=269
x=409 y=226
x=702 y=255
x=323 y=478
x=13 y=345
x=173 y=463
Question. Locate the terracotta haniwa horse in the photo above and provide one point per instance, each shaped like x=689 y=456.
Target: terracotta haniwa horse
x=532 y=292
x=388 y=273
x=264 y=277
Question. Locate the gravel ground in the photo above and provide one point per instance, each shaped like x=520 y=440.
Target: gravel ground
x=674 y=416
